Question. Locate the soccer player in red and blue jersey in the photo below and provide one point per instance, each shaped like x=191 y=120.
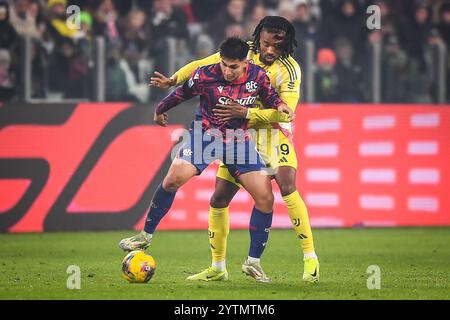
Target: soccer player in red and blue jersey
x=233 y=80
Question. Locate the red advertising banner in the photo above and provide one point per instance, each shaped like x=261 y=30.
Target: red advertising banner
x=359 y=165
x=95 y=166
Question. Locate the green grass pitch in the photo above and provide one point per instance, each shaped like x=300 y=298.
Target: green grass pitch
x=414 y=264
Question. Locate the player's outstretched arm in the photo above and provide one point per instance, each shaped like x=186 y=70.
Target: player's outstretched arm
x=235 y=110
x=185 y=72
x=161 y=119
x=161 y=81
x=177 y=96
x=269 y=115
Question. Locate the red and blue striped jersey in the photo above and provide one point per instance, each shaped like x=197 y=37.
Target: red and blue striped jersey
x=208 y=83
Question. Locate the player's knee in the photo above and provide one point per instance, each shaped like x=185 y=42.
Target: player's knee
x=287 y=188
x=265 y=202
x=219 y=201
x=172 y=183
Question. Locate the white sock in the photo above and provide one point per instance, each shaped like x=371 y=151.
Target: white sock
x=253 y=260
x=310 y=255
x=221 y=265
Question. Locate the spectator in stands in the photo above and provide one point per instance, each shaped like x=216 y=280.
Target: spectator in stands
x=388 y=21
x=60 y=37
x=235 y=30
x=56 y=24
x=418 y=84
x=69 y=60
x=234 y=14
x=137 y=32
x=35 y=10
x=413 y=33
x=197 y=33
x=134 y=54
x=286 y=10
x=83 y=36
x=106 y=21
x=116 y=83
x=166 y=21
x=79 y=82
x=432 y=53
x=22 y=19
x=132 y=31
x=305 y=28
x=29 y=22
x=444 y=23
x=204 y=46
x=8 y=35
x=349 y=73
x=325 y=76
x=394 y=67
x=204 y=10
x=6 y=83
x=444 y=30
x=271 y=5
x=346 y=23
x=186 y=7
x=256 y=15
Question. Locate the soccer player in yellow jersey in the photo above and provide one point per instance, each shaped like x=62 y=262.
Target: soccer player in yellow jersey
x=271 y=48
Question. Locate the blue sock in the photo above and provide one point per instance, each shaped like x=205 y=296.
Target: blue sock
x=160 y=205
x=260 y=224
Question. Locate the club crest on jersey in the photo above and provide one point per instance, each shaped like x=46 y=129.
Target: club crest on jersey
x=251 y=86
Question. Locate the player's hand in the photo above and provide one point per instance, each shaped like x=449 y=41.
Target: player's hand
x=230 y=111
x=161 y=119
x=284 y=108
x=161 y=81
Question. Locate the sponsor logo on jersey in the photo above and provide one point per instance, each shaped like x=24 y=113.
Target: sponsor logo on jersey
x=243 y=101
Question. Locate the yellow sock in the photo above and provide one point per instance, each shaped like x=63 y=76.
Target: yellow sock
x=300 y=220
x=219 y=227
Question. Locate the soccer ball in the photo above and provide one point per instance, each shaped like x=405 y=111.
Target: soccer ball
x=138 y=267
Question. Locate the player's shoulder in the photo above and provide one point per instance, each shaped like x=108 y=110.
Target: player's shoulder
x=203 y=69
x=205 y=72
x=289 y=61
x=251 y=45
x=256 y=71
x=290 y=66
x=255 y=67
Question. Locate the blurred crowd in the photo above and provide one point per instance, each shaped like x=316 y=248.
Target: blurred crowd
x=137 y=34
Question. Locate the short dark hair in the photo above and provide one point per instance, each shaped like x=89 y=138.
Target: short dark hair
x=234 y=49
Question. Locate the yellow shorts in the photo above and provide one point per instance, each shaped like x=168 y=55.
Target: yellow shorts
x=276 y=154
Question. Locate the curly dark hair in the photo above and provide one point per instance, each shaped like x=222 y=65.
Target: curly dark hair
x=275 y=24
